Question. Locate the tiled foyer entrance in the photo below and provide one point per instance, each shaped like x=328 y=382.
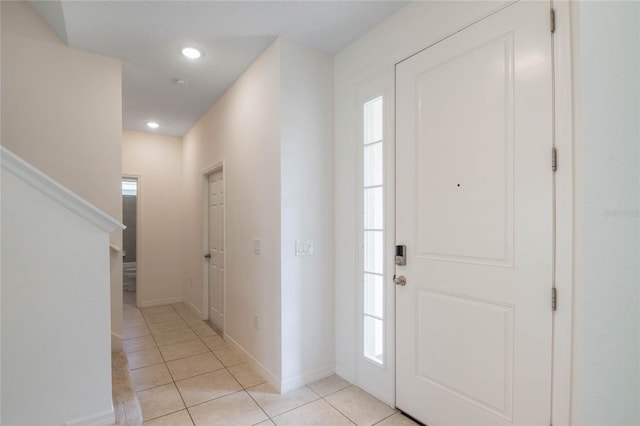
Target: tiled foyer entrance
x=184 y=374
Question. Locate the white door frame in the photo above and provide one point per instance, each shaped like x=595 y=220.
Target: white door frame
x=139 y=282
x=564 y=195
x=217 y=167
x=564 y=208
x=379 y=84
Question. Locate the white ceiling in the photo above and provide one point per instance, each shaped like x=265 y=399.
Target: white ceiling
x=148 y=36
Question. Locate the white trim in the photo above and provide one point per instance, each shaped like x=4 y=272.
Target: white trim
x=116 y=342
x=100 y=419
x=372 y=377
x=160 y=302
x=346 y=374
x=115 y=248
x=217 y=167
x=58 y=193
x=564 y=273
x=309 y=377
x=194 y=310
x=214 y=168
x=254 y=363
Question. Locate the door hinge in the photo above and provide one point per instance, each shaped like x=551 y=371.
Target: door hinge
x=552 y=17
x=554 y=159
x=554 y=299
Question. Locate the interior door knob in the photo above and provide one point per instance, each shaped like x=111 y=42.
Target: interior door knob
x=207 y=256
x=400 y=280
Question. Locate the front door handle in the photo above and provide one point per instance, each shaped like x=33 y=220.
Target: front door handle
x=207 y=256
x=400 y=280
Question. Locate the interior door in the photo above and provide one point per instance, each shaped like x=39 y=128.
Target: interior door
x=475 y=211
x=216 y=250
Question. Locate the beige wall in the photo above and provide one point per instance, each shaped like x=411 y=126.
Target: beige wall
x=62 y=112
x=157 y=161
x=606 y=314
x=273 y=129
x=306 y=171
x=61 y=108
x=243 y=129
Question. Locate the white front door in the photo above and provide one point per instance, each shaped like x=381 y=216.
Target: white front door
x=216 y=250
x=475 y=211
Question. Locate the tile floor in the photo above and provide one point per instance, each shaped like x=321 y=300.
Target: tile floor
x=185 y=374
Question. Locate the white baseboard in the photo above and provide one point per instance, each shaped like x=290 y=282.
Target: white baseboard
x=281 y=386
x=159 y=302
x=260 y=369
x=116 y=342
x=306 y=378
x=345 y=374
x=195 y=310
x=101 y=419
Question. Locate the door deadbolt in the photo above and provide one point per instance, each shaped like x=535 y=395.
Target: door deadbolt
x=401 y=255
x=400 y=280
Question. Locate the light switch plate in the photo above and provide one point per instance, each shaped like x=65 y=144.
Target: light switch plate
x=304 y=248
x=256 y=247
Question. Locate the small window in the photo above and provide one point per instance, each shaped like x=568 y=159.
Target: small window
x=373 y=232
x=129 y=186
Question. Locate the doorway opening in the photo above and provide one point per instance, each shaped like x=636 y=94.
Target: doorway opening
x=129 y=240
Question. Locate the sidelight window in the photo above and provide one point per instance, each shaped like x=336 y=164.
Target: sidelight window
x=373 y=232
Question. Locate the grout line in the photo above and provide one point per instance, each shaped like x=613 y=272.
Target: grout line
x=152 y=336
x=174 y=382
x=145 y=366
x=382 y=420
x=141 y=349
x=335 y=391
x=164 y=415
x=215 y=399
x=153 y=387
x=168 y=414
x=339 y=411
x=196 y=375
x=314 y=391
x=185 y=356
x=295 y=408
x=135 y=337
x=258 y=405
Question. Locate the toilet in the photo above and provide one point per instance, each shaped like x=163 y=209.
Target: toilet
x=129 y=276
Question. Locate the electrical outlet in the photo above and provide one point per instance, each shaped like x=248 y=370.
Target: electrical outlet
x=304 y=248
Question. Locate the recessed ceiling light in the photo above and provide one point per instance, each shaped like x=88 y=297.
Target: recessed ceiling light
x=191 y=53
x=152 y=125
